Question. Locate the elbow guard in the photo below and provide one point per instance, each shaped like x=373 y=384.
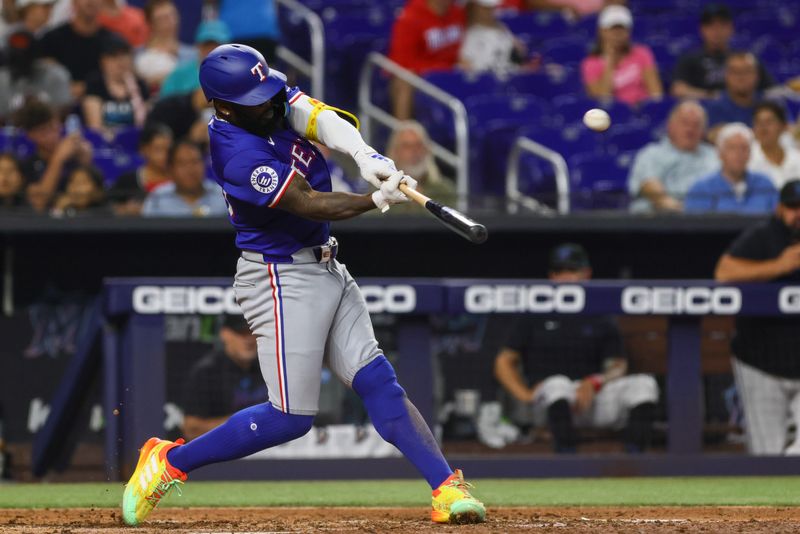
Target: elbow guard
x=319 y=107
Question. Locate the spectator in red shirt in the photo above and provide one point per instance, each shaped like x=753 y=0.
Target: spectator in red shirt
x=426 y=36
x=128 y=21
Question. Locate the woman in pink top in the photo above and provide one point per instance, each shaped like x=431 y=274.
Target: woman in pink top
x=617 y=68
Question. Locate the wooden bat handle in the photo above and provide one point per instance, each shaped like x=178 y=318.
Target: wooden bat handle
x=414 y=195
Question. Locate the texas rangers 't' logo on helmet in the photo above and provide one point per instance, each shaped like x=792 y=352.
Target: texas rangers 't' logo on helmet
x=258 y=70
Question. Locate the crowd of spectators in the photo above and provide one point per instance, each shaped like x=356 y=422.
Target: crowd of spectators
x=713 y=85
x=103 y=109
x=97 y=84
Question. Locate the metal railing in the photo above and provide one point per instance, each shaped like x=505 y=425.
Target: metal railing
x=370 y=111
x=315 y=69
x=514 y=195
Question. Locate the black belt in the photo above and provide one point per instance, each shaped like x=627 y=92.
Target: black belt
x=327 y=252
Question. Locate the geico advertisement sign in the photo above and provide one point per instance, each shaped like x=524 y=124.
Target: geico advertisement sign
x=789 y=299
x=212 y=300
x=638 y=300
x=538 y=299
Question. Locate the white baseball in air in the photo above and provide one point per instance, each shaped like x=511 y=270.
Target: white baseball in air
x=597 y=120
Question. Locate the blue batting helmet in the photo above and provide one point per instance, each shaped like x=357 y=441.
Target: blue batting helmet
x=238 y=73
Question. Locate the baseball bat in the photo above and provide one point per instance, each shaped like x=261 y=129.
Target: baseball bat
x=455 y=220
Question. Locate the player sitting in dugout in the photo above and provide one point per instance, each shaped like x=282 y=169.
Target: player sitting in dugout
x=570 y=371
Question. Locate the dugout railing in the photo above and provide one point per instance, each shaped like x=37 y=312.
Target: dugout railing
x=134 y=363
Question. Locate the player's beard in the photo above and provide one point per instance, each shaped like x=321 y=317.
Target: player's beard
x=268 y=121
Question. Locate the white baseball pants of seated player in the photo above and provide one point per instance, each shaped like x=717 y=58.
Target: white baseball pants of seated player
x=304 y=314
x=610 y=407
x=769 y=403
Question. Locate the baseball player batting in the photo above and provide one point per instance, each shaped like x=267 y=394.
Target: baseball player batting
x=300 y=302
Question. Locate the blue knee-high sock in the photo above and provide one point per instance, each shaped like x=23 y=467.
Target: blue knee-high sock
x=398 y=421
x=246 y=432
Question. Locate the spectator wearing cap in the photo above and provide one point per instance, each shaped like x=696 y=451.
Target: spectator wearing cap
x=26 y=74
x=185 y=78
x=734 y=189
x=618 y=69
x=115 y=97
x=426 y=36
x=488 y=43
x=126 y=20
x=768 y=155
x=663 y=172
x=252 y=22
x=189 y=194
x=163 y=50
x=765 y=363
x=130 y=189
x=77 y=43
x=223 y=382
x=701 y=73
x=569 y=371
x=12 y=183
x=56 y=152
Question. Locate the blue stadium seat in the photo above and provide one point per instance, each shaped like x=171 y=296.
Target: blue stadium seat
x=566 y=140
x=127 y=140
x=95 y=139
x=522 y=109
x=570 y=109
x=519 y=23
x=656 y=112
x=345 y=65
x=13 y=141
x=438 y=119
x=568 y=51
x=112 y=163
x=599 y=181
x=770 y=51
x=463 y=85
x=374 y=21
x=628 y=137
x=537 y=180
x=547 y=85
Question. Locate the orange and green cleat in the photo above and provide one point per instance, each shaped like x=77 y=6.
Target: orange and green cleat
x=152 y=480
x=452 y=502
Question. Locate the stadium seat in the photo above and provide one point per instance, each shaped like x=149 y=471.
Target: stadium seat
x=519 y=22
x=569 y=109
x=598 y=180
x=547 y=85
x=628 y=137
x=463 y=85
x=13 y=141
x=112 y=163
x=523 y=109
x=568 y=51
x=127 y=140
x=656 y=112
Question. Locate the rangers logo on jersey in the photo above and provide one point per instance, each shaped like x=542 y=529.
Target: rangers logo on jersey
x=264 y=179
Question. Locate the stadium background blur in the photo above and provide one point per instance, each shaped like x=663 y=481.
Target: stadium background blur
x=136 y=210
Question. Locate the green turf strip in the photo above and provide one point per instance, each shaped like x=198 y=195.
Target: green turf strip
x=767 y=491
